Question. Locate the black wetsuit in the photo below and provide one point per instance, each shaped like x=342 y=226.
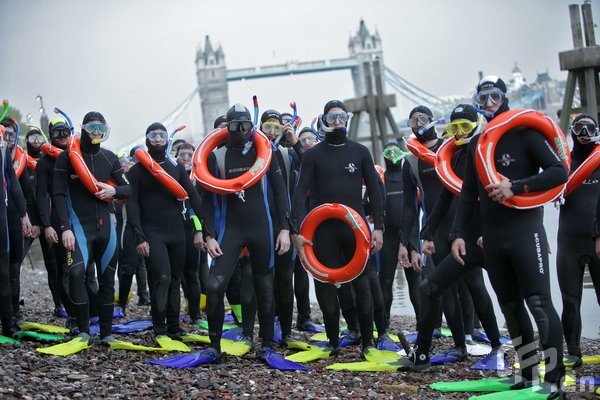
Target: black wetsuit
x=239 y=221
x=93 y=225
x=515 y=243
x=449 y=272
x=149 y=207
x=333 y=171
x=575 y=249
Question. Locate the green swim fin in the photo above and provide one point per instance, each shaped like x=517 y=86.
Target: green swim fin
x=320 y=337
x=168 y=344
x=477 y=385
x=540 y=392
x=34 y=326
x=591 y=359
x=362 y=366
x=238 y=349
x=446 y=332
x=314 y=353
x=204 y=325
x=42 y=337
x=81 y=342
x=236 y=310
x=6 y=339
x=195 y=338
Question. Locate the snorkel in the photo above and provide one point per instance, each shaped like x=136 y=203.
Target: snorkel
x=431 y=124
x=250 y=142
x=37 y=128
x=4 y=111
x=65 y=116
x=293 y=123
x=170 y=144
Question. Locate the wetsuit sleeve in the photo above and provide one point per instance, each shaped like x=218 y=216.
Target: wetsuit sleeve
x=15 y=188
x=440 y=209
x=118 y=176
x=280 y=194
x=133 y=205
x=467 y=202
x=29 y=197
x=195 y=201
x=41 y=191
x=304 y=182
x=597 y=221
x=372 y=182
x=299 y=151
x=61 y=183
x=409 y=235
x=554 y=173
x=208 y=207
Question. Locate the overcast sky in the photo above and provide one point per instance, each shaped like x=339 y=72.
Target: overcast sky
x=133 y=60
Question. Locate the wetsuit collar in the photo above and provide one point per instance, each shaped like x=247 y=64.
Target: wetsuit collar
x=87 y=147
x=336 y=138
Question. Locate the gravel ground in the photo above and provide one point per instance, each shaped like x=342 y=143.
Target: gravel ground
x=102 y=373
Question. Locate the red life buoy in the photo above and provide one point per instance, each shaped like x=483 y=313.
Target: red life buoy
x=242 y=182
x=587 y=167
x=20 y=161
x=161 y=175
x=31 y=163
x=443 y=167
x=85 y=176
x=486 y=147
x=381 y=172
x=51 y=150
x=419 y=150
x=361 y=233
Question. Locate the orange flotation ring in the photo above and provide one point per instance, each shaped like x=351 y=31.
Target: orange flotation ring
x=242 y=182
x=52 y=151
x=486 y=147
x=381 y=172
x=587 y=167
x=85 y=176
x=361 y=233
x=19 y=161
x=443 y=167
x=161 y=175
x=419 y=150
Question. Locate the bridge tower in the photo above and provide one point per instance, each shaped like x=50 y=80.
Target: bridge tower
x=364 y=47
x=212 y=83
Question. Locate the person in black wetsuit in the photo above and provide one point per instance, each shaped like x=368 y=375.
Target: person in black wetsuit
x=148 y=207
x=465 y=123
x=88 y=228
x=332 y=172
x=244 y=221
x=11 y=191
x=515 y=244
x=420 y=177
x=575 y=251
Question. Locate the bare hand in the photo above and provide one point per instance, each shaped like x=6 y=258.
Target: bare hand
x=500 y=192
x=199 y=240
x=416 y=261
x=51 y=235
x=35 y=231
x=377 y=240
x=299 y=241
x=282 y=245
x=370 y=219
x=68 y=240
x=143 y=249
x=213 y=248
x=480 y=242
x=290 y=136
x=106 y=191
x=403 y=256
x=26 y=226
x=459 y=250
x=428 y=247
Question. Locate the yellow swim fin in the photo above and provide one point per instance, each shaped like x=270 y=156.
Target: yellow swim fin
x=168 y=344
x=81 y=342
x=34 y=326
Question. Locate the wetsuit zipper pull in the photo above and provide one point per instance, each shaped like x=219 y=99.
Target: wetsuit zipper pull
x=559 y=202
x=241 y=195
x=184 y=209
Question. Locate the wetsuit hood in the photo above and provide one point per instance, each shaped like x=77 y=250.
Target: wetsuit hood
x=86 y=141
x=158 y=153
x=32 y=150
x=427 y=132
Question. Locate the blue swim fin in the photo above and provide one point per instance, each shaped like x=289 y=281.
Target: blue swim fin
x=449 y=356
x=310 y=327
x=277 y=335
x=118 y=313
x=132 y=326
x=235 y=334
x=386 y=343
x=481 y=336
x=349 y=340
x=494 y=361
x=94 y=330
x=190 y=360
x=277 y=361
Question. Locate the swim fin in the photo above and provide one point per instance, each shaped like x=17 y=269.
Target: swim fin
x=39 y=336
x=380 y=356
x=129 y=296
x=446 y=332
x=297 y=345
x=202 y=301
x=481 y=336
x=589 y=360
x=319 y=337
x=81 y=342
x=385 y=342
x=239 y=348
x=115 y=344
x=204 y=325
x=94 y=329
x=448 y=356
x=477 y=385
x=494 y=361
x=310 y=326
x=411 y=337
x=362 y=366
x=277 y=361
x=277 y=334
x=236 y=310
x=6 y=339
x=206 y=356
x=538 y=392
x=34 y=326
x=169 y=344
x=477 y=349
x=229 y=318
x=314 y=353
x=195 y=338
x=235 y=334
x=349 y=340
x=133 y=326
x=118 y=313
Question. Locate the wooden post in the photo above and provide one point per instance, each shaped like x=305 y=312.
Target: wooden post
x=354 y=123
x=590 y=95
x=372 y=114
x=576 y=26
x=588 y=25
x=380 y=103
x=568 y=101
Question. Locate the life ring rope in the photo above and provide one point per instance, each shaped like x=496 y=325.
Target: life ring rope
x=161 y=175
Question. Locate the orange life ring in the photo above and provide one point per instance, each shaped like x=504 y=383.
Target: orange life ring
x=161 y=175
x=381 y=172
x=361 y=233
x=20 y=161
x=242 y=182
x=31 y=163
x=85 y=176
x=419 y=150
x=486 y=147
x=443 y=167
x=51 y=150
x=587 y=167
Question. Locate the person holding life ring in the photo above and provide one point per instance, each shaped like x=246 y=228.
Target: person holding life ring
x=575 y=226
x=515 y=244
x=332 y=171
x=237 y=220
x=150 y=204
x=88 y=228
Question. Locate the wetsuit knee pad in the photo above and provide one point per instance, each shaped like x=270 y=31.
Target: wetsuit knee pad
x=429 y=288
x=215 y=284
x=536 y=307
x=77 y=273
